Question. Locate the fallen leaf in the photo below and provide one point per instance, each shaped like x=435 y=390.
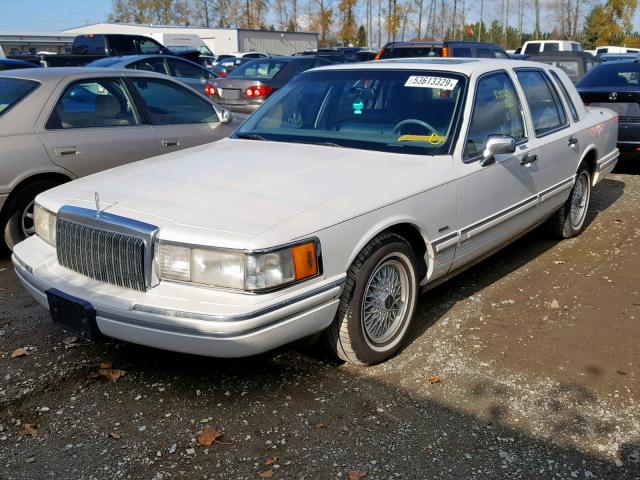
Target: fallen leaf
x=559 y=262
x=115 y=435
x=621 y=372
x=357 y=474
x=434 y=379
x=19 y=352
x=30 y=429
x=319 y=425
x=271 y=460
x=105 y=365
x=111 y=374
x=266 y=474
x=209 y=436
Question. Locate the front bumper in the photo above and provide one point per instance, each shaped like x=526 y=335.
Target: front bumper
x=185 y=318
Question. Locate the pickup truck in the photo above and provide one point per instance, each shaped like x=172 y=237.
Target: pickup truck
x=90 y=47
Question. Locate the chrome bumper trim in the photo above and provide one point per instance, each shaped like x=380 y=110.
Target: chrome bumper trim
x=246 y=316
x=607 y=160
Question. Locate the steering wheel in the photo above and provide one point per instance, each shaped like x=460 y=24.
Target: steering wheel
x=416 y=122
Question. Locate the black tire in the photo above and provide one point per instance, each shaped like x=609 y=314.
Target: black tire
x=13 y=228
x=347 y=336
x=562 y=224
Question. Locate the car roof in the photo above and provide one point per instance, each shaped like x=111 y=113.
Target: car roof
x=466 y=66
x=15 y=62
x=58 y=73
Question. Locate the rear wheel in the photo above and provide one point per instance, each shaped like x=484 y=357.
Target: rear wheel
x=569 y=220
x=19 y=222
x=378 y=302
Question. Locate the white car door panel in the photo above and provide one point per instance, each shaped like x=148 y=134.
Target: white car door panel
x=499 y=200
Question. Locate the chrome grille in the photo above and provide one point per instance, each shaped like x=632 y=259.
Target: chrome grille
x=107 y=256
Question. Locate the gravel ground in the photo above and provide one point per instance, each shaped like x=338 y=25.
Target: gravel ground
x=532 y=356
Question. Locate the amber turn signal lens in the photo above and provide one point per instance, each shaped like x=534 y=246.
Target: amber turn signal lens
x=305 y=261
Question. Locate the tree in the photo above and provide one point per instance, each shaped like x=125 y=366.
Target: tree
x=362 y=36
x=609 y=24
x=347 y=22
x=163 y=12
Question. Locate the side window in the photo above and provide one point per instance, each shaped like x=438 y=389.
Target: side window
x=151 y=64
x=533 y=47
x=567 y=97
x=496 y=111
x=184 y=69
x=462 y=52
x=94 y=103
x=499 y=54
x=149 y=47
x=546 y=109
x=484 y=53
x=551 y=47
x=122 y=45
x=168 y=103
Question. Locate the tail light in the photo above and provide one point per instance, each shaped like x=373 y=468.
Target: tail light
x=210 y=90
x=445 y=51
x=257 y=91
x=379 y=54
x=222 y=73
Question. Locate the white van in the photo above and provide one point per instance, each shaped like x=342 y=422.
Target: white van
x=546 y=46
x=612 y=49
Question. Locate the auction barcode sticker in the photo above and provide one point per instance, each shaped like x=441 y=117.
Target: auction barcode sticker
x=442 y=83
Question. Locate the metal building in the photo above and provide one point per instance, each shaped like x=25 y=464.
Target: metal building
x=31 y=43
x=218 y=40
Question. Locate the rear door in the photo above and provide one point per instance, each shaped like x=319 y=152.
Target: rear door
x=91 y=125
x=496 y=201
x=558 y=153
x=178 y=116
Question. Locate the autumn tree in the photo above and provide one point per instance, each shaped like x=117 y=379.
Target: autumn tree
x=347 y=32
x=162 y=12
x=362 y=36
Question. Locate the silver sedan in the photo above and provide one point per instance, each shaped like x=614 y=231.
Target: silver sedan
x=63 y=123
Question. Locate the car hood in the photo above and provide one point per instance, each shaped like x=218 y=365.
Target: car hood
x=232 y=190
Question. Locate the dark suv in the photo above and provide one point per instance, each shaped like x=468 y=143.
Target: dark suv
x=450 y=48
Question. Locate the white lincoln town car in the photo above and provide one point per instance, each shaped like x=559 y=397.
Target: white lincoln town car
x=351 y=190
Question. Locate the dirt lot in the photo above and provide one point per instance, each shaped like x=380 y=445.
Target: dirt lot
x=537 y=349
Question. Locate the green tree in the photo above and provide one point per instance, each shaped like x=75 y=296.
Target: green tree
x=347 y=21
x=362 y=36
x=609 y=24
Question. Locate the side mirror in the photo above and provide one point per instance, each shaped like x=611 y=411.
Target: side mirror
x=226 y=116
x=496 y=145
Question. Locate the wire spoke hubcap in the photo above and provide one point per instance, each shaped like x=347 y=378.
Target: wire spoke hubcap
x=579 y=200
x=26 y=221
x=385 y=301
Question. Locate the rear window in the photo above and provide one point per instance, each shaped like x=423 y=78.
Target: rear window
x=622 y=74
x=89 y=45
x=533 y=47
x=12 y=90
x=409 y=52
x=575 y=47
x=257 y=69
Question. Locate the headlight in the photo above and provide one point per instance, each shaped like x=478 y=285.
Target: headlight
x=45 y=223
x=251 y=271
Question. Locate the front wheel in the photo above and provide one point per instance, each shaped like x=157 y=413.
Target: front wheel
x=569 y=220
x=19 y=214
x=378 y=302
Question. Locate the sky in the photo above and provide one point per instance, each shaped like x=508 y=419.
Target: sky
x=56 y=15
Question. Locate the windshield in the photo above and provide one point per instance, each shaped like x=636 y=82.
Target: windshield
x=411 y=52
x=257 y=69
x=386 y=110
x=621 y=74
x=12 y=90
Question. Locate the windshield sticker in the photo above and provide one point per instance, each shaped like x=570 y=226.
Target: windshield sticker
x=357 y=107
x=442 y=83
x=506 y=96
x=433 y=139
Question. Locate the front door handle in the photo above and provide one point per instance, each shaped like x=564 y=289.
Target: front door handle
x=573 y=141
x=527 y=159
x=66 y=151
x=170 y=143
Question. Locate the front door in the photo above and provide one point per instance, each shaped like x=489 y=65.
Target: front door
x=179 y=117
x=95 y=126
x=497 y=200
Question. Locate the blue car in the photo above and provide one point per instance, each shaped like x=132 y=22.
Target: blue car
x=6 y=64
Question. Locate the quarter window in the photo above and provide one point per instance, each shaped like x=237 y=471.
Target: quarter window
x=151 y=64
x=184 y=69
x=169 y=104
x=546 y=109
x=496 y=111
x=94 y=103
x=567 y=97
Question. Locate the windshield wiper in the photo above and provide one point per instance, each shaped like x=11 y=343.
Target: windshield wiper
x=324 y=144
x=250 y=136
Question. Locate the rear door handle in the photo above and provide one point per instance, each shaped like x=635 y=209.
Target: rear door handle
x=170 y=142
x=66 y=151
x=573 y=141
x=527 y=159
